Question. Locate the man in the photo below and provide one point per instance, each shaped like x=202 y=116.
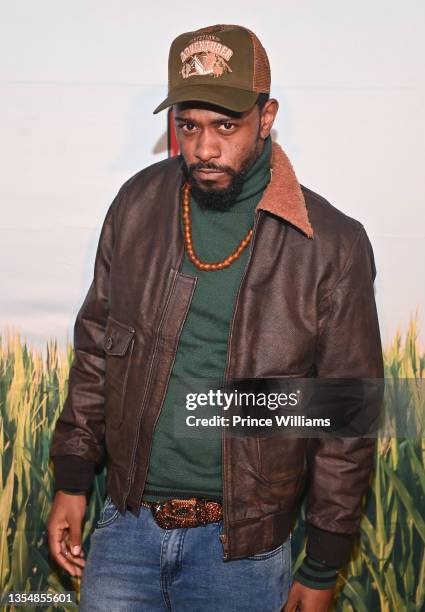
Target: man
x=216 y=264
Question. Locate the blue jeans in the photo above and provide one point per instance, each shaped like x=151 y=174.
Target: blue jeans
x=135 y=565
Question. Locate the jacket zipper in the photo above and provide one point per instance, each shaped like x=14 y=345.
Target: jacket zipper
x=224 y=536
x=148 y=384
x=166 y=385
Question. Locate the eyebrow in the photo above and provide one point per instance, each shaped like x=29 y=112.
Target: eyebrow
x=223 y=119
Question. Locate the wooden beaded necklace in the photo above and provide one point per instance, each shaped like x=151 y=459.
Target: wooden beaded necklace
x=218 y=265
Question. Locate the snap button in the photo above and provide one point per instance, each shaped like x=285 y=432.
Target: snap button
x=109 y=342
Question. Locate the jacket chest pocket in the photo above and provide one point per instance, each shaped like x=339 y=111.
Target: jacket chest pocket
x=118 y=346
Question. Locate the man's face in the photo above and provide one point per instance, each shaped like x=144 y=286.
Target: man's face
x=218 y=147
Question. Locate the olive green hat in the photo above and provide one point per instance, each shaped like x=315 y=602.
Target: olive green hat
x=224 y=65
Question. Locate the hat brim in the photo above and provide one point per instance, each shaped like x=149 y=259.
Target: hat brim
x=231 y=98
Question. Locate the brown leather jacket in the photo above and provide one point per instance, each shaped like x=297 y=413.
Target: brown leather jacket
x=305 y=304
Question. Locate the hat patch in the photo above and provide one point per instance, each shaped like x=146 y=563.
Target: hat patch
x=205 y=56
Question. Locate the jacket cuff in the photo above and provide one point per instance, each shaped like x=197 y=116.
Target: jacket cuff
x=73 y=473
x=316 y=575
x=327 y=547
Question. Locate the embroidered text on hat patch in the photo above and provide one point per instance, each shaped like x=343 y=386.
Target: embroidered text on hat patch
x=205 y=56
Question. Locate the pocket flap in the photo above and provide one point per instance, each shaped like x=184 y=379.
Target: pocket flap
x=117 y=337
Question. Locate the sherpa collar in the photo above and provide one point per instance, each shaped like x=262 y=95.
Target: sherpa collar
x=283 y=196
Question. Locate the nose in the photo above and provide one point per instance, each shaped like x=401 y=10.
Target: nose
x=206 y=147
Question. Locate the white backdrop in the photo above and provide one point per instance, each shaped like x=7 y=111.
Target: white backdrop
x=79 y=81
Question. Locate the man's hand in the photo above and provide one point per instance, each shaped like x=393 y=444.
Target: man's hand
x=303 y=599
x=64 y=531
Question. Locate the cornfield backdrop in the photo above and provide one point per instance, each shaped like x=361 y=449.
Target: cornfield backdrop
x=387 y=567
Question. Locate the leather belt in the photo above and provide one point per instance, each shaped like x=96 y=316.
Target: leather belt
x=193 y=512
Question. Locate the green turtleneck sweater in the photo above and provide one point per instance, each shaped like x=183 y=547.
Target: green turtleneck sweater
x=190 y=465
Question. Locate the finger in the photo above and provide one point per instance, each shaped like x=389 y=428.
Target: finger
x=68 y=547
x=55 y=538
x=67 y=561
x=71 y=568
x=75 y=536
x=63 y=561
x=56 y=535
x=76 y=560
x=293 y=604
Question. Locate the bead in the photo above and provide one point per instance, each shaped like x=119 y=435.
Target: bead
x=219 y=265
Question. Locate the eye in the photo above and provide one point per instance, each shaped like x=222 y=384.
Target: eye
x=188 y=127
x=227 y=126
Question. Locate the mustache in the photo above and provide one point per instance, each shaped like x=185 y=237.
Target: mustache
x=211 y=166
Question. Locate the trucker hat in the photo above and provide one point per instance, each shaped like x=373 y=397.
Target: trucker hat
x=225 y=65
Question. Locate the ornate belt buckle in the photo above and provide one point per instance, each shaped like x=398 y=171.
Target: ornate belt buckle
x=176 y=513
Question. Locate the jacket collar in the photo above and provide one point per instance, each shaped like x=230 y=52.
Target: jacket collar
x=283 y=196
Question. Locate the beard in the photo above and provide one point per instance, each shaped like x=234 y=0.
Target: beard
x=220 y=199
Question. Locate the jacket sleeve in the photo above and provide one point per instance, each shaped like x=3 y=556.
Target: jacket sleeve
x=77 y=445
x=339 y=468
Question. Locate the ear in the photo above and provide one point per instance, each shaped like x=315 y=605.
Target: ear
x=267 y=117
